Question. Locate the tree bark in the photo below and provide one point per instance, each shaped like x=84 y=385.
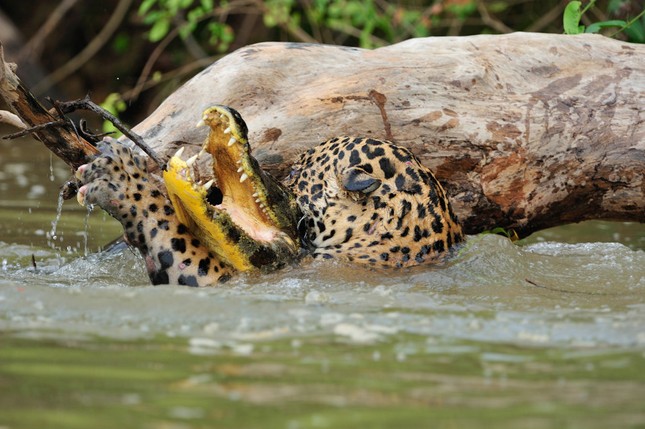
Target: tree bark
x=525 y=131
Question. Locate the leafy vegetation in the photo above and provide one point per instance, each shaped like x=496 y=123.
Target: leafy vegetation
x=114 y=104
x=159 y=44
x=365 y=23
x=635 y=28
x=219 y=27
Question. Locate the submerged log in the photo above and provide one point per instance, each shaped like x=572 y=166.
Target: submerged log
x=525 y=131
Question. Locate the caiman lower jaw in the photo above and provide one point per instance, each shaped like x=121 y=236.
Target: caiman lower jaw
x=242 y=240
x=243 y=215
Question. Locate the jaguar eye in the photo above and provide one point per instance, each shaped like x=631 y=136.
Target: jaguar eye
x=357 y=180
x=295 y=172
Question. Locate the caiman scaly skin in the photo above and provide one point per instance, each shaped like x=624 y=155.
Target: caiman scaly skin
x=244 y=215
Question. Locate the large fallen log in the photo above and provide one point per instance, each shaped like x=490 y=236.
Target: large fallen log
x=525 y=131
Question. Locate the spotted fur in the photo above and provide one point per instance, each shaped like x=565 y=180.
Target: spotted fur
x=118 y=182
x=371 y=201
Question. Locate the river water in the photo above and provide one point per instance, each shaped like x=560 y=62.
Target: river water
x=547 y=333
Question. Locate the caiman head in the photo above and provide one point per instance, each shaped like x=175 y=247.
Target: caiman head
x=243 y=214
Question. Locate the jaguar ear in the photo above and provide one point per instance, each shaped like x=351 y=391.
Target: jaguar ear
x=355 y=179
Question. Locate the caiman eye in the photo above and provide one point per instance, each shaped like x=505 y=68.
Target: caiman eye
x=214 y=196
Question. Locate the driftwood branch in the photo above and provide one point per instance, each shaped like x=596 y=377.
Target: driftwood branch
x=526 y=131
x=87 y=104
x=62 y=140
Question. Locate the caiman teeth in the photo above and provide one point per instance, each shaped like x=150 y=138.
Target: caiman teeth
x=208 y=184
x=255 y=195
x=180 y=152
x=227 y=130
x=200 y=123
x=241 y=169
x=190 y=161
x=185 y=173
x=243 y=177
x=232 y=141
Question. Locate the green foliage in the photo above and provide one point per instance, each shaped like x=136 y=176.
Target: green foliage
x=114 y=104
x=571 y=18
x=185 y=15
x=365 y=23
x=573 y=13
x=121 y=43
x=372 y=23
x=635 y=28
x=463 y=9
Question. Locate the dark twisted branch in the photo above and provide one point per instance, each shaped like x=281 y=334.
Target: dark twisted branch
x=87 y=104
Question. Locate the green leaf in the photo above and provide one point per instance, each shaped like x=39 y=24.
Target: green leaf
x=221 y=36
x=636 y=31
x=571 y=18
x=153 y=17
x=159 y=30
x=596 y=26
x=114 y=104
x=194 y=15
x=121 y=43
x=145 y=6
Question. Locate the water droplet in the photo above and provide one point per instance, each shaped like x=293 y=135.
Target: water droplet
x=51 y=167
x=90 y=207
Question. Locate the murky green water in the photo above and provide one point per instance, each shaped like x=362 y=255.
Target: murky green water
x=548 y=334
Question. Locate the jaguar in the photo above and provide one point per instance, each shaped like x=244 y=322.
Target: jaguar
x=360 y=200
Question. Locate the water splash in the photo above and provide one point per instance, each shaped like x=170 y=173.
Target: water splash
x=86 y=226
x=59 y=210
